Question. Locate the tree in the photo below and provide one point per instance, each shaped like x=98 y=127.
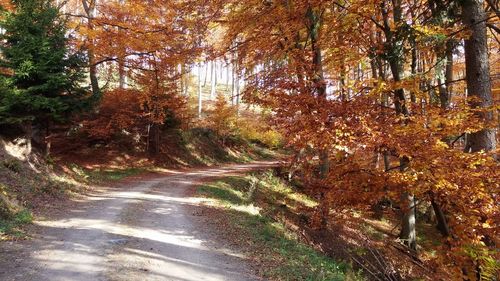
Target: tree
x=223 y=118
x=312 y=58
x=44 y=77
x=478 y=74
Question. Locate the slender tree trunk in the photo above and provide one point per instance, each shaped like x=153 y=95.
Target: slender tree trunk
x=199 y=92
x=206 y=74
x=478 y=73
x=408 y=230
x=213 y=81
x=89 y=8
x=47 y=138
x=445 y=76
x=442 y=223
x=233 y=85
x=343 y=94
x=228 y=71
x=221 y=71
x=121 y=72
x=318 y=78
x=184 y=79
x=154 y=139
x=237 y=101
x=414 y=57
x=27 y=127
x=180 y=72
x=450 y=46
x=441 y=78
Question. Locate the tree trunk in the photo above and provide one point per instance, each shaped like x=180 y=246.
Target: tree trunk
x=414 y=57
x=206 y=74
x=47 y=138
x=442 y=224
x=27 y=127
x=395 y=51
x=89 y=7
x=228 y=71
x=238 y=92
x=408 y=231
x=213 y=81
x=444 y=77
x=121 y=72
x=199 y=92
x=184 y=79
x=94 y=81
x=318 y=78
x=233 y=85
x=478 y=73
x=154 y=139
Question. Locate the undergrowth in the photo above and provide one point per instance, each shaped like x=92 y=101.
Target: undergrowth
x=11 y=227
x=252 y=204
x=105 y=175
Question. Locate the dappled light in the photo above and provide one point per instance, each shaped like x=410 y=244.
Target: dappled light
x=149 y=226
x=249 y=140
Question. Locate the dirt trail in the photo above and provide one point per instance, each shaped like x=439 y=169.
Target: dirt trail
x=141 y=230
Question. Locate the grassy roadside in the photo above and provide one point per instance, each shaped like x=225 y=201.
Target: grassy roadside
x=26 y=189
x=254 y=206
x=101 y=175
x=11 y=229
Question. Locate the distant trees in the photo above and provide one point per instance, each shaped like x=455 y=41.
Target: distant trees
x=345 y=80
x=41 y=75
x=147 y=47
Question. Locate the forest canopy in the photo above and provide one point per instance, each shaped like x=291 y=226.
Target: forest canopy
x=378 y=102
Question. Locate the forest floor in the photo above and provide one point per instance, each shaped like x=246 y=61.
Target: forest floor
x=145 y=227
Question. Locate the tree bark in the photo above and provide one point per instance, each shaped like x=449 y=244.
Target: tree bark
x=237 y=98
x=213 y=82
x=318 y=78
x=199 y=92
x=47 y=137
x=442 y=223
x=235 y=80
x=89 y=8
x=408 y=230
x=478 y=73
x=154 y=139
x=206 y=74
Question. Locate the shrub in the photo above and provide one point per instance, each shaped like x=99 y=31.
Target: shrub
x=119 y=110
x=223 y=118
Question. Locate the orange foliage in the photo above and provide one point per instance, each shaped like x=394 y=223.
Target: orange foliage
x=331 y=72
x=119 y=110
x=358 y=119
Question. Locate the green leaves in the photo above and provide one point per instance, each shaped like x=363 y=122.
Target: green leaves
x=43 y=77
x=25 y=69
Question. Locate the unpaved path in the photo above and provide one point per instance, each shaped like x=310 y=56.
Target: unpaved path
x=142 y=230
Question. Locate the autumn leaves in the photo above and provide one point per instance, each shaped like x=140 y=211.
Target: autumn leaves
x=352 y=80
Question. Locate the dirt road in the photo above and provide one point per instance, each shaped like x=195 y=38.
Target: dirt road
x=145 y=229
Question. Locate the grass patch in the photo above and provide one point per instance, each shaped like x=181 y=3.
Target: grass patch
x=104 y=175
x=249 y=202
x=116 y=174
x=11 y=227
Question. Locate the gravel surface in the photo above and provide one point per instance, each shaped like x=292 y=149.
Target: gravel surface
x=143 y=229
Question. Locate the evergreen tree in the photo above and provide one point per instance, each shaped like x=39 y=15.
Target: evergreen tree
x=40 y=79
